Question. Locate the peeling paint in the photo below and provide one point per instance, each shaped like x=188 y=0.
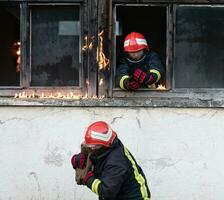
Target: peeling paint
x=13 y=119
x=115 y=118
x=163 y=163
x=35 y=196
x=139 y=122
x=53 y=157
x=213 y=114
x=205 y=166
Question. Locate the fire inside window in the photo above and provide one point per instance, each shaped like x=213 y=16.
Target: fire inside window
x=10 y=45
x=103 y=63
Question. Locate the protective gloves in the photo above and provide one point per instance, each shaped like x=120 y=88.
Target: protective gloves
x=139 y=76
x=82 y=175
x=88 y=176
x=79 y=161
x=144 y=78
x=82 y=164
x=131 y=84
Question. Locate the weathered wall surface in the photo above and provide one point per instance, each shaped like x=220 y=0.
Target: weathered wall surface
x=180 y=150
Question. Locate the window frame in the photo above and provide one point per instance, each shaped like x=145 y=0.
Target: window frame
x=25 y=38
x=117 y=92
x=210 y=92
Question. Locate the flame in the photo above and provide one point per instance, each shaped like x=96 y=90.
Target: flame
x=161 y=87
x=91 y=45
x=18 y=53
x=101 y=97
x=94 y=97
x=101 y=58
x=86 y=96
x=101 y=81
x=87 y=46
x=59 y=95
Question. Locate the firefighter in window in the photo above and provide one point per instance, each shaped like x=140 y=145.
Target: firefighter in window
x=140 y=67
x=107 y=167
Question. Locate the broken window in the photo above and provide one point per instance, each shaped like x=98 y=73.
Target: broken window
x=199 y=47
x=55 y=46
x=148 y=20
x=9 y=44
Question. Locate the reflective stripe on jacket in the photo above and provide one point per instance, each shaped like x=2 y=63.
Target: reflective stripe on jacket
x=150 y=63
x=117 y=176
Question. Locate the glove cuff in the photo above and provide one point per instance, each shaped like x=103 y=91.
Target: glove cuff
x=88 y=177
x=151 y=79
x=125 y=83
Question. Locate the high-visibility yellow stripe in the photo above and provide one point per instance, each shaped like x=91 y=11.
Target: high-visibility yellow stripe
x=140 y=179
x=153 y=86
x=157 y=73
x=95 y=186
x=122 y=81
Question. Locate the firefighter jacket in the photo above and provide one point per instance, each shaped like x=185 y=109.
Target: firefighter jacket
x=150 y=63
x=117 y=176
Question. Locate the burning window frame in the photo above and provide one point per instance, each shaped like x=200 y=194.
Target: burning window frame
x=22 y=51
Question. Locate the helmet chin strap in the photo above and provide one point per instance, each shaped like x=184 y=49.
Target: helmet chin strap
x=136 y=61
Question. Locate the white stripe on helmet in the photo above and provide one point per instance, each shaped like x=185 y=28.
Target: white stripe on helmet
x=139 y=41
x=126 y=43
x=100 y=136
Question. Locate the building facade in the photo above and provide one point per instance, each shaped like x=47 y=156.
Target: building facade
x=58 y=61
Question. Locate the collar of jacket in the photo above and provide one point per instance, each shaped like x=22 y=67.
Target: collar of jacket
x=136 y=61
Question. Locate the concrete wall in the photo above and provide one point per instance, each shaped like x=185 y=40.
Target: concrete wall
x=180 y=150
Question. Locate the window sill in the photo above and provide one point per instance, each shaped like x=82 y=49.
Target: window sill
x=184 y=101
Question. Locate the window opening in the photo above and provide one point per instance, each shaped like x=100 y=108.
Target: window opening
x=9 y=44
x=148 y=20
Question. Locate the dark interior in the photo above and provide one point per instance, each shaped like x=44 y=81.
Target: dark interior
x=199 y=52
x=148 y=20
x=9 y=35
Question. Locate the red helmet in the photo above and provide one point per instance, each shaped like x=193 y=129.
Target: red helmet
x=99 y=133
x=135 y=41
